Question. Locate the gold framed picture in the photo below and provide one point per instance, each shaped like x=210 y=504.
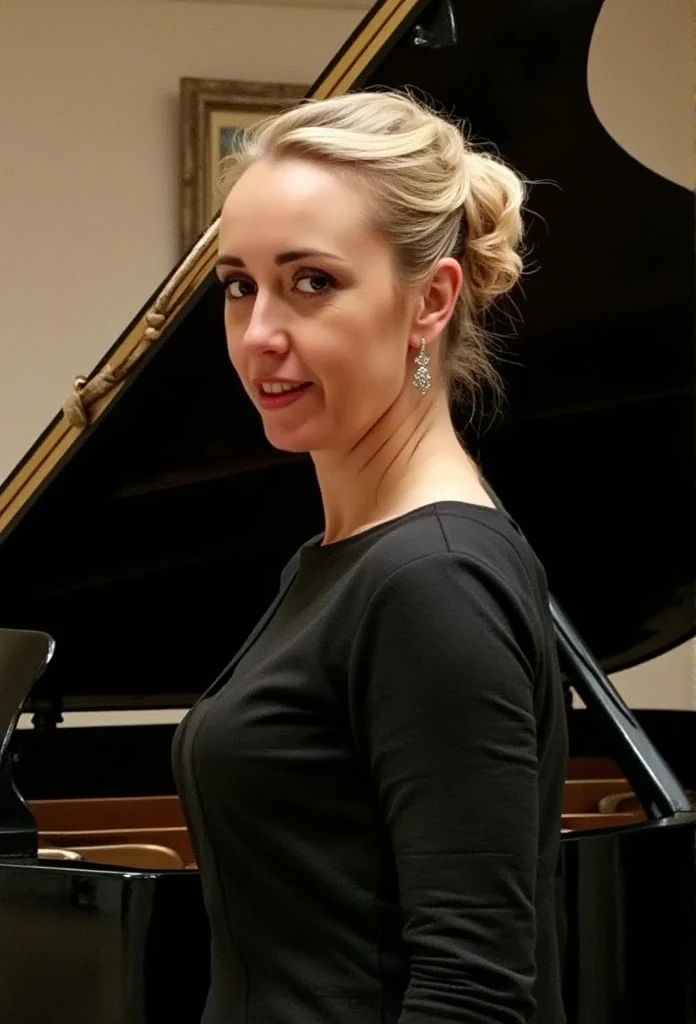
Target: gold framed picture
x=212 y=115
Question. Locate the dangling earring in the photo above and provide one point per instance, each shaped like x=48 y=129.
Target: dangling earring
x=422 y=378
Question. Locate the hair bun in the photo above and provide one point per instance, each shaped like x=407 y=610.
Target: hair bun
x=493 y=228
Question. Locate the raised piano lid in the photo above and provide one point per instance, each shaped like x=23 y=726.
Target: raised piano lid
x=150 y=541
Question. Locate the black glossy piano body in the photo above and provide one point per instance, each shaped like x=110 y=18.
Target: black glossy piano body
x=148 y=542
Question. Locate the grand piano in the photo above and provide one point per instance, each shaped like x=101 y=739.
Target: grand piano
x=143 y=535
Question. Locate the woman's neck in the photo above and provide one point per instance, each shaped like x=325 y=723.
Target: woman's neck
x=393 y=470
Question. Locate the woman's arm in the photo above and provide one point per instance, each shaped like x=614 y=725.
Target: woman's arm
x=443 y=671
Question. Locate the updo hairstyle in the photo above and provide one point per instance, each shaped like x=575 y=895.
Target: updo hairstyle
x=431 y=194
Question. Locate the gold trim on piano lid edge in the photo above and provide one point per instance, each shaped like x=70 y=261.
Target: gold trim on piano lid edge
x=60 y=439
x=368 y=44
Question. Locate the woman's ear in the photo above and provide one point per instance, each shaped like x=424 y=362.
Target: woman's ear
x=438 y=300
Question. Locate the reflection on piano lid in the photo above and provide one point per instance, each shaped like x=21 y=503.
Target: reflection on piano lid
x=147 y=540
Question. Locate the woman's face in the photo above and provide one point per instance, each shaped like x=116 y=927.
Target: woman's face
x=311 y=296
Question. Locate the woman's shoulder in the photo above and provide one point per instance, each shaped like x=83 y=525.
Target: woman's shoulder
x=454 y=531
x=454 y=552
x=435 y=547
x=456 y=578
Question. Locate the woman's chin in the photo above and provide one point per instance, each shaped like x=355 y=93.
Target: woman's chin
x=284 y=441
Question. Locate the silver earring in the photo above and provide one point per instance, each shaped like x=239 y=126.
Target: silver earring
x=422 y=379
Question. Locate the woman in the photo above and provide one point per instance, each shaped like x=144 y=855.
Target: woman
x=373 y=786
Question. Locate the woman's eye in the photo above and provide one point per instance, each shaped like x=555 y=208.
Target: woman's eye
x=238 y=287
x=313 y=284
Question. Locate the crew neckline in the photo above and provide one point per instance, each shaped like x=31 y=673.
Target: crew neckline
x=314 y=547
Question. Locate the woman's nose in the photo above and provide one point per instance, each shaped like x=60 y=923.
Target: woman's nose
x=265 y=328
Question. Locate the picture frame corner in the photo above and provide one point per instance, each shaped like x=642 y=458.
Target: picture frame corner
x=202 y=102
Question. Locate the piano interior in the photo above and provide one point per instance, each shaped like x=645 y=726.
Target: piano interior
x=149 y=832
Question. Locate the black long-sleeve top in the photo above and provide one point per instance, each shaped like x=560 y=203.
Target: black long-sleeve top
x=374 y=784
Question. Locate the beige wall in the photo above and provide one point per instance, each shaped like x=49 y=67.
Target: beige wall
x=665 y=682
x=641 y=79
x=88 y=171
x=88 y=167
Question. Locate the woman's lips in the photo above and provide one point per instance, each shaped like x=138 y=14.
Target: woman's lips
x=283 y=399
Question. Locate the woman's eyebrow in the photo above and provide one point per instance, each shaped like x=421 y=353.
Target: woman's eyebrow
x=283 y=257
x=302 y=254
x=229 y=261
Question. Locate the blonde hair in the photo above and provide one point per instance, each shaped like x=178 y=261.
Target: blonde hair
x=431 y=195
